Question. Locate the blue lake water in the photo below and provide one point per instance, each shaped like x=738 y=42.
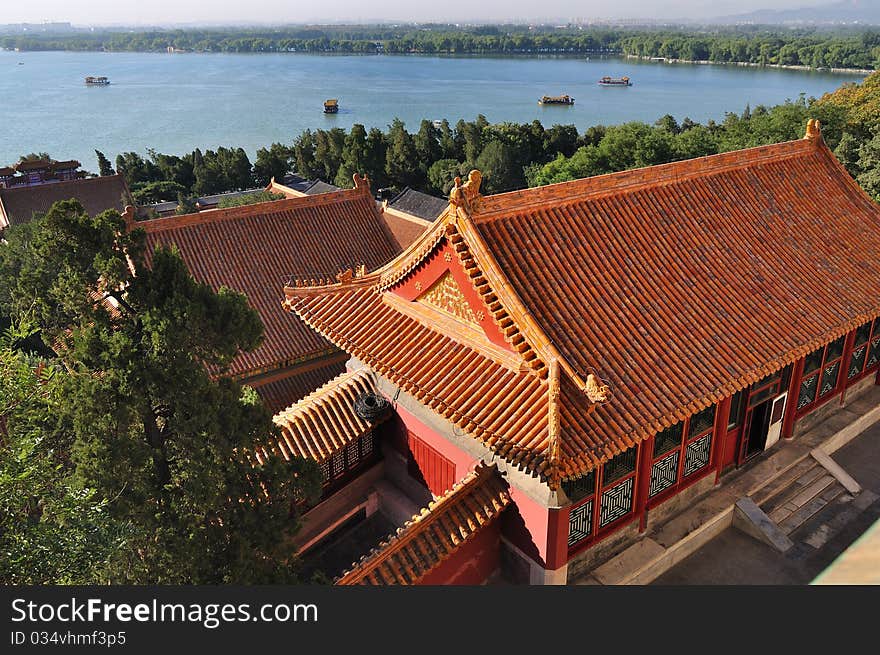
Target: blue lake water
x=177 y=102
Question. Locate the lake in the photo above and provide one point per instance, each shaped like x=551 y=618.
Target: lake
x=177 y=102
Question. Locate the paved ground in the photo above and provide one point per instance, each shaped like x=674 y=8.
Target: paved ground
x=735 y=558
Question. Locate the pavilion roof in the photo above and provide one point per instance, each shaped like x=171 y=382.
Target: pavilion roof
x=437 y=532
x=96 y=194
x=674 y=285
x=325 y=421
x=254 y=249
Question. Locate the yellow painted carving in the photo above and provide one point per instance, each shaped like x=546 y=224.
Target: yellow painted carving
x=445 y=295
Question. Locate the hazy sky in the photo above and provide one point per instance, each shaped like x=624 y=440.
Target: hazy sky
x=131 y=12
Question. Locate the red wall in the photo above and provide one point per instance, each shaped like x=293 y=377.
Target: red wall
x=463 y=461
x=472 y=563
x=436 y=471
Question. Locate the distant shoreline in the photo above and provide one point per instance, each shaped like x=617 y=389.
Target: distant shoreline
x=488 y=55
x=821 y=69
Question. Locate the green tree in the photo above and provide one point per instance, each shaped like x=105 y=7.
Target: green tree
x=441 y=175
x=500 y=168
x=401 y=158
x=153 y=423
x=354 y=156
x=249 y=199
x=304 y=155
x=427 y=144
x=374 y=163
x=272 y=162
x=51 y=530
x=157 y=192
x=329 y=145
x=104 y=167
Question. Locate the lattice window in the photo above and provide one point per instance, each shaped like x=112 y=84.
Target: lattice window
x=668 y=439
x=621 y=465
x=367 y=444
x=808 y=390
x=337 y=462
x=701 y=421
x=697 y=454
x=874 y=353
x=616 y=502
x=351 y=454
x=325 y=470
x=580 y=487
x=664 y=474
x=829 y=378
x=835 y=349
x=857 y=361
x=580 y=522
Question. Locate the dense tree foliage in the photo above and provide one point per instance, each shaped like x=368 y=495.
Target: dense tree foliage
x=142 y=423
x=809 y=47
x=52 y=530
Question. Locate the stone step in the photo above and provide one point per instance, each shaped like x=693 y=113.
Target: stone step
x=781 y=482
x=833 y=519
x=817 y=502
x=787 y=494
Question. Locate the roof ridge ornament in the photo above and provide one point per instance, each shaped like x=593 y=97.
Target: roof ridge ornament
x=595 y=390
x=361 y=182
x=814 y=130
x=467 y=195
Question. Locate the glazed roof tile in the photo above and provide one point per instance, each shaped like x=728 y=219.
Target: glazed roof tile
x=255 y=248
x=325 y=422
x=96 y=194
x=686 y=282
x=282 y=392
x=677 y=284
x=419 y=204
x=436 y=533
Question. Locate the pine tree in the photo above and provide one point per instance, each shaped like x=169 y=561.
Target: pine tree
x=154 y=426
x=104 y=167
x=354 y=156
x=401 y=158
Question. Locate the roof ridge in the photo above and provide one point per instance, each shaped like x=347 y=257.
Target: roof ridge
x=59 y=183
x=246 y=211
x=482 y=473
x=638 y=178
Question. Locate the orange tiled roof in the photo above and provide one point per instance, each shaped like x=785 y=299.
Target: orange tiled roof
x=324 y=422
x=431 y=536
x=285 y=390
x=255 y=248
x=96 y=194
x=677 y=284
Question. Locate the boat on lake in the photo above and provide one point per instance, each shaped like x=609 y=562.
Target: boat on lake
x=556 y=100
x=615 y=81
x=97 y=81
x=331 y=106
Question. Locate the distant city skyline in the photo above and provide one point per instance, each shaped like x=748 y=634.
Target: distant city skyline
x=170 y=12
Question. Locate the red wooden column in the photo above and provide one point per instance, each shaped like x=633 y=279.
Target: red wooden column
x=719 y=435
x=794 y=387
x=643 y=479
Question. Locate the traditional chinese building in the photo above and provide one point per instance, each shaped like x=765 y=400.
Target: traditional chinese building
x=565 y=365
x=20 y=202
x=39 y=171
x=253 y=249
